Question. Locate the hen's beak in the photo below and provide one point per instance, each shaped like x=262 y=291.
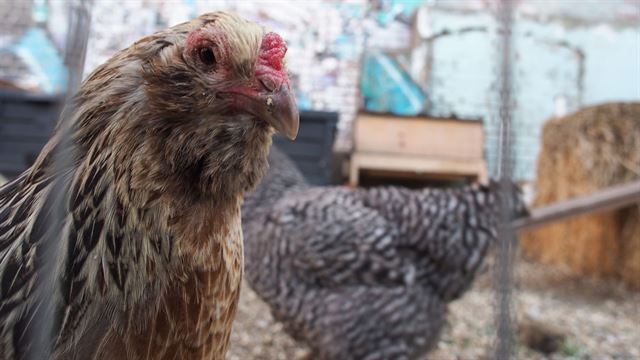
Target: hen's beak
x=274 y=103
x=279 y=109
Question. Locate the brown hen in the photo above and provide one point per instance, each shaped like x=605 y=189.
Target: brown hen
x=165 y=139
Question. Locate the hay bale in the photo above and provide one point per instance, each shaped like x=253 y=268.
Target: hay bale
x=594 y=148
x=630 y=266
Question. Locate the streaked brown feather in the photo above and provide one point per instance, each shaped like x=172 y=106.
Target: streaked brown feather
x=150 y=242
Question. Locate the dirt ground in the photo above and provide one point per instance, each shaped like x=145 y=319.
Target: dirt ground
x=599 y=320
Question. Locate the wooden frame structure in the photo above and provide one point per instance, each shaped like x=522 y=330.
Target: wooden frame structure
x=418 y=147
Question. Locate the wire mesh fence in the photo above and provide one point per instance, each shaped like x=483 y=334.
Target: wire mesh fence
x=579 y=316
x=505 y=328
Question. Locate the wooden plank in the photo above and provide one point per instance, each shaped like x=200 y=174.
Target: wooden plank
x=607 y=199
x=409 y=175
x=420 y=117
x=420 y=136
x=425 y=167
x=354 y=171
x=418 y=164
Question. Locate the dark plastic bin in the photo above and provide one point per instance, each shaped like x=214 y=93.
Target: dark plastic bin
x=312 y=150
x=26 y=123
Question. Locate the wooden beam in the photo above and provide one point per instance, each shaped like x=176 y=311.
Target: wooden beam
x=420 y=137
x=421 y=166
x=418 y=164
x=607 y=199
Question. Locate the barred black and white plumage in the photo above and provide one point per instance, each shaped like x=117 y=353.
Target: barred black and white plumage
x=365 y=273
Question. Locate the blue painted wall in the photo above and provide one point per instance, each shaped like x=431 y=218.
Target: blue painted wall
x=42 y=58
x=560 y=64
x=548 y=74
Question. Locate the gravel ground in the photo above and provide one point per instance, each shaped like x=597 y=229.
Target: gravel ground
x=599 y=320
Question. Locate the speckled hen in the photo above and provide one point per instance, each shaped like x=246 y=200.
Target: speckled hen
x=365 y=273
x=165 y=139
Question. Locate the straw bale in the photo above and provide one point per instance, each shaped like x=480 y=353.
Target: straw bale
x=591 y=149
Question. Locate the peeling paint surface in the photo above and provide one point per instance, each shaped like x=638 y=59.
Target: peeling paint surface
x=568 y=54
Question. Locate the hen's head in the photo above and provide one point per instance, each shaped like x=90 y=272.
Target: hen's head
x=193 y=106
x=223 y=65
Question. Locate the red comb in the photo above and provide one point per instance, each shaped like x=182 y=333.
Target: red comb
x=272 y=50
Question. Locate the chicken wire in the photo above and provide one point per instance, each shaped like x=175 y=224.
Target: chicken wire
x=79 y=15
x=503 y=276
x=74 y=56
x=21 y=19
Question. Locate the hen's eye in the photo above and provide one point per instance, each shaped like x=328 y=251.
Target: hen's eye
x=207 y=57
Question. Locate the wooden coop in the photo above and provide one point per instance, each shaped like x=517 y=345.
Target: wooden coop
x=420 y=148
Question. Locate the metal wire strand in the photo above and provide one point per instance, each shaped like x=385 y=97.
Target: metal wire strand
x=503 y=280
x=43 y=335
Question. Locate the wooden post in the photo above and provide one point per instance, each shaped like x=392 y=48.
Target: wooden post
x=607 y=199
